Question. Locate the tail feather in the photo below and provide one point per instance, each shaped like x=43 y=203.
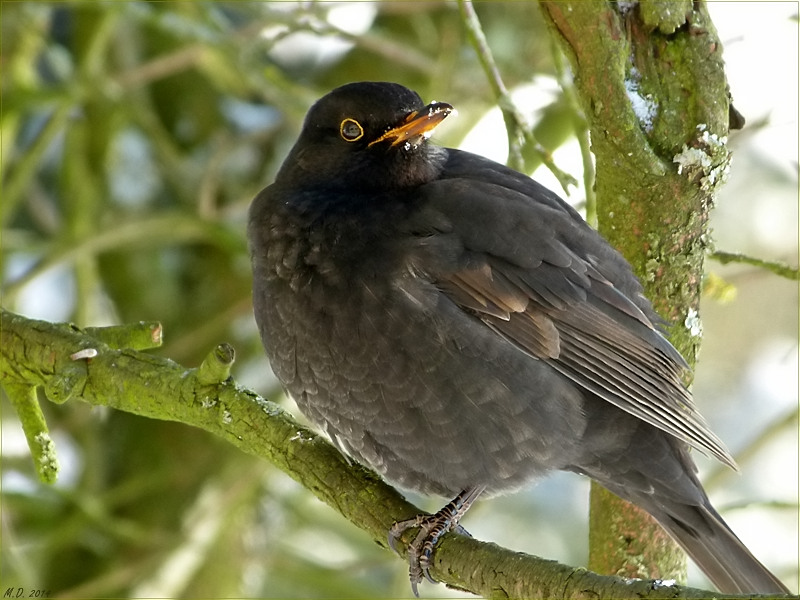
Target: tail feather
x=707 y=539
x=721 y=555
x=655 y=471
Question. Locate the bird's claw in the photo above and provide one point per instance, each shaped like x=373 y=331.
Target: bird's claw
x=415 y=569
x=420 y=551
x=431 y=528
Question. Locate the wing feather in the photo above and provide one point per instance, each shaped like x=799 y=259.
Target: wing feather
x=543 y=280
x=607 y=350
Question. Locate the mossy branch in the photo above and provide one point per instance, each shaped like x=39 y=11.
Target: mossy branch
x=70 y=363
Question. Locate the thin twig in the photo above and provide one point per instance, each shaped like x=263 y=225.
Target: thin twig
x=519 y=131
x=581 y=132
x=779 y=268
x=512 y=117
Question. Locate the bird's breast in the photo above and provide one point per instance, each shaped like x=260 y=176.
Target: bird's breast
x=391 y=368
x=323 y=282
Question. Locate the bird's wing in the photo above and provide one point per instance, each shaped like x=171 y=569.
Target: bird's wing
x=536 y=274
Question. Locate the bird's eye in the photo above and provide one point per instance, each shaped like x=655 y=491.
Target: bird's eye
x=351 y=130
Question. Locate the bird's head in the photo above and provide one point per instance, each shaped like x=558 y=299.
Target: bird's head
x=367 y=135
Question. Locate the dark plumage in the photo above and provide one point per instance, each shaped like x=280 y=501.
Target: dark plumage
x=458 y=327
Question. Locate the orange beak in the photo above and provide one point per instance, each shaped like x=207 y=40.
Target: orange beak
x=417 y=126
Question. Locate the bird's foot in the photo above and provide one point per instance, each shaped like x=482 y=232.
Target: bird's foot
x=431 y=528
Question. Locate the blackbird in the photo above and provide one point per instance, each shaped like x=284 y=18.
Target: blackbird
x=459 y=328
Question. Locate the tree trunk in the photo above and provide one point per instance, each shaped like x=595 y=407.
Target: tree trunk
x=651 y=81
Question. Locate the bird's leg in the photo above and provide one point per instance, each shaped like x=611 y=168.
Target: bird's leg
x=431 y=528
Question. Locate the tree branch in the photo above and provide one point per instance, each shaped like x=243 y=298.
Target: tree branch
x=37 y=354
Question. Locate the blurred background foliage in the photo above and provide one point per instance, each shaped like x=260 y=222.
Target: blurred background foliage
x=135 y=134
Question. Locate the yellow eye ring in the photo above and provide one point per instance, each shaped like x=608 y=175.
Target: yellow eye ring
x=351 y=130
